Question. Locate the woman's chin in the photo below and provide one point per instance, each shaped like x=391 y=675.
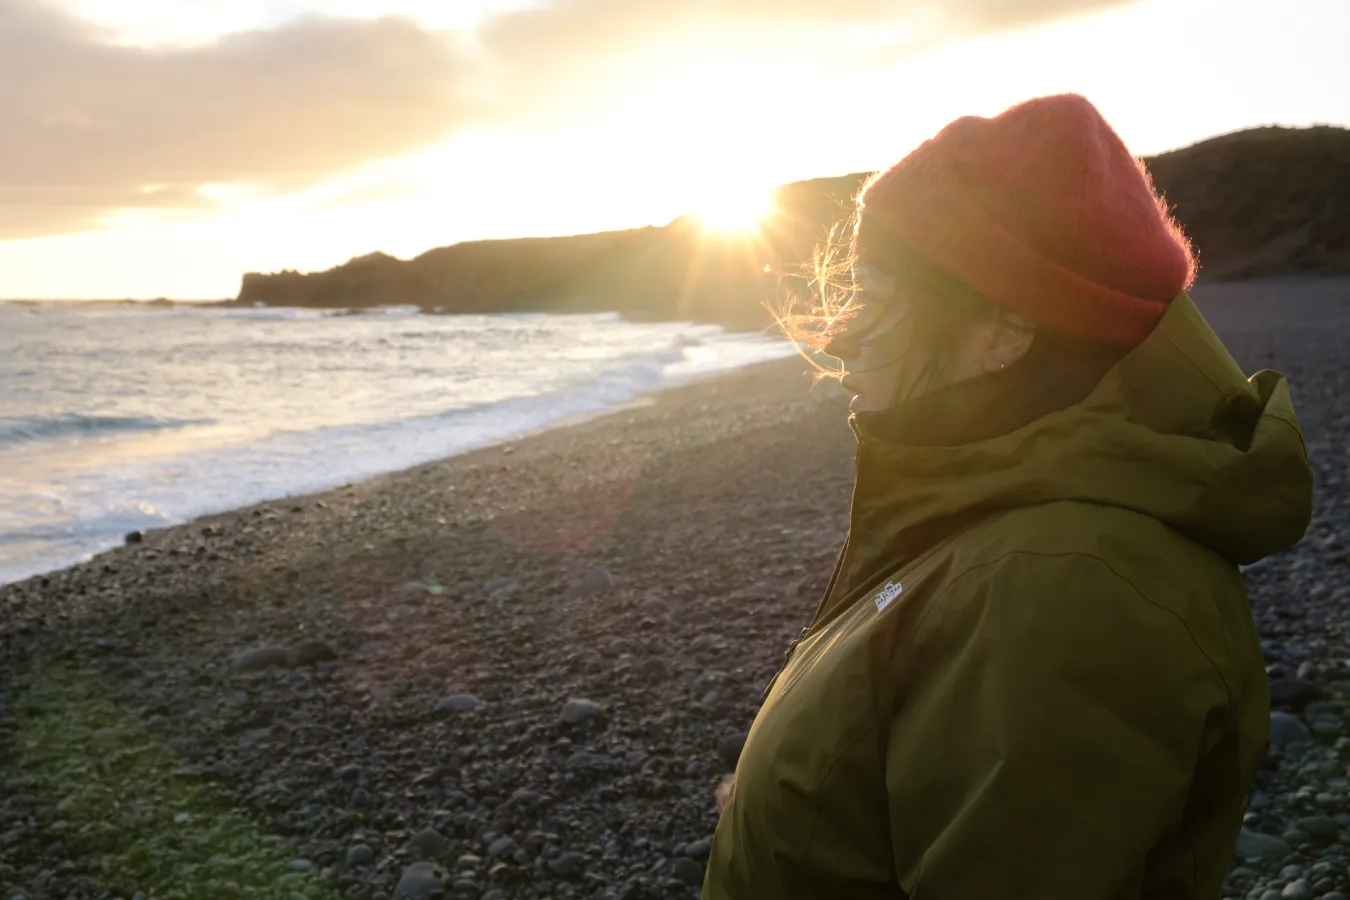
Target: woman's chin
x=857 y=404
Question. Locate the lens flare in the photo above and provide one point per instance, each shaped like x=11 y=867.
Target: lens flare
x=733 y=211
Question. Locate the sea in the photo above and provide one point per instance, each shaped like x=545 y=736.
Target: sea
x=122 y=418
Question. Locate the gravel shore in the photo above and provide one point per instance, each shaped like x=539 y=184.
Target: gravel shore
x=519 y=673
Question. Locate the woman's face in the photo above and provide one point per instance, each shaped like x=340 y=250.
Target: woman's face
x=884 y=360
x=874 y=346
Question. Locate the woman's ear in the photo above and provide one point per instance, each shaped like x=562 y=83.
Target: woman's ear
x=1009 y=338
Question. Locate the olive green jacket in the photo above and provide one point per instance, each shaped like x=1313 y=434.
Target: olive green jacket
x=1036 y=674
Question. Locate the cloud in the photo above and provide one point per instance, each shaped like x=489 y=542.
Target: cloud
x=550 y=39
x=49 y=210
x=90 y=127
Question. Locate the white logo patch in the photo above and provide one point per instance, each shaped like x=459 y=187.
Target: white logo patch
x=887 y=594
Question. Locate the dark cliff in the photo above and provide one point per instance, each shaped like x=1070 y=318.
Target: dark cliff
x=1268 y=201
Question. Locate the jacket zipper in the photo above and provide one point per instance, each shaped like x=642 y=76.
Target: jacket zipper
x=829 y=588
x=815 y=617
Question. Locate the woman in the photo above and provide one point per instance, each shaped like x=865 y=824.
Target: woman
x=1035 y=673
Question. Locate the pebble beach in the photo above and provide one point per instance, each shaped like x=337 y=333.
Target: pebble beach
x=521 y=672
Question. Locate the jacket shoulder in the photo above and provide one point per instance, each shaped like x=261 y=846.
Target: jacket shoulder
x=1076 y=614
x=1065 y=573
x=1154 y=558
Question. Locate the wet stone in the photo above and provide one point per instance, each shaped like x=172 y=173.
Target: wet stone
x=1327 y=726
x=502 y=847
x=458 y=703
x=1254 y=845
x=698 y=849
x=430 y=843
x=420 y=881
x=311 y=652
x=688 y=871
x=593 y=583
x=258 y=659
x=1323 y=708
x=1294 y=693
x=581 y=710
x=1286 y=730
x=465 y=887
x=1317 y=826
x=569 y=863
x=1297 y=890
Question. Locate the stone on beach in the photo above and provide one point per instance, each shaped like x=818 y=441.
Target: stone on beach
x=430 y=843
x=1294 y=693
x=688 y=871
x=420 y=881
x=1286 y=730
x=502 y=847
x=1253 y=845
x=592 y=584
x=698 y=849
x=654 y=667
x=1317 y=826
x=569 y=863
x=581 y=710
x=499 y=589
x=260 y=658
x=1297 y=890
x=729 y=749
x=307 y=653
x=458 y=703
x=1327 y=726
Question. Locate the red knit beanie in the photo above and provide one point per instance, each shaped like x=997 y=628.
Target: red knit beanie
x=1044 y=211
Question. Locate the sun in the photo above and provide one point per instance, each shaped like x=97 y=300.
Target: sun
x=733 y=210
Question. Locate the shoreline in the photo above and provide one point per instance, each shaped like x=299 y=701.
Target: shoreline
x=207 y=499
x=333 y=687
x=301 y=497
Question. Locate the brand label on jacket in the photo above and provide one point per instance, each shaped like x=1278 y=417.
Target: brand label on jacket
x=887 y=594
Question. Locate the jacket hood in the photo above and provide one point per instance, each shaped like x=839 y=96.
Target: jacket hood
x=1174 y=430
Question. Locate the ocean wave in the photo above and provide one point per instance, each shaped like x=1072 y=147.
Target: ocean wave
x=295 y=409
x=271 y=313
x=400 y=311
x=15 y=431
x=404 y=310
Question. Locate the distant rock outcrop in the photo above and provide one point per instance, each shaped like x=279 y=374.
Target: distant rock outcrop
x=1267 y=201
x=673 y=272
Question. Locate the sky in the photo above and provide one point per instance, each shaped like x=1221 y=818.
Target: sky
x=164 y=147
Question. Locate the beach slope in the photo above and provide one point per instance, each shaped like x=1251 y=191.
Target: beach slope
x=530 y=664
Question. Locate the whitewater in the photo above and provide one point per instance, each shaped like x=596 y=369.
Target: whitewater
x=121 y=418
